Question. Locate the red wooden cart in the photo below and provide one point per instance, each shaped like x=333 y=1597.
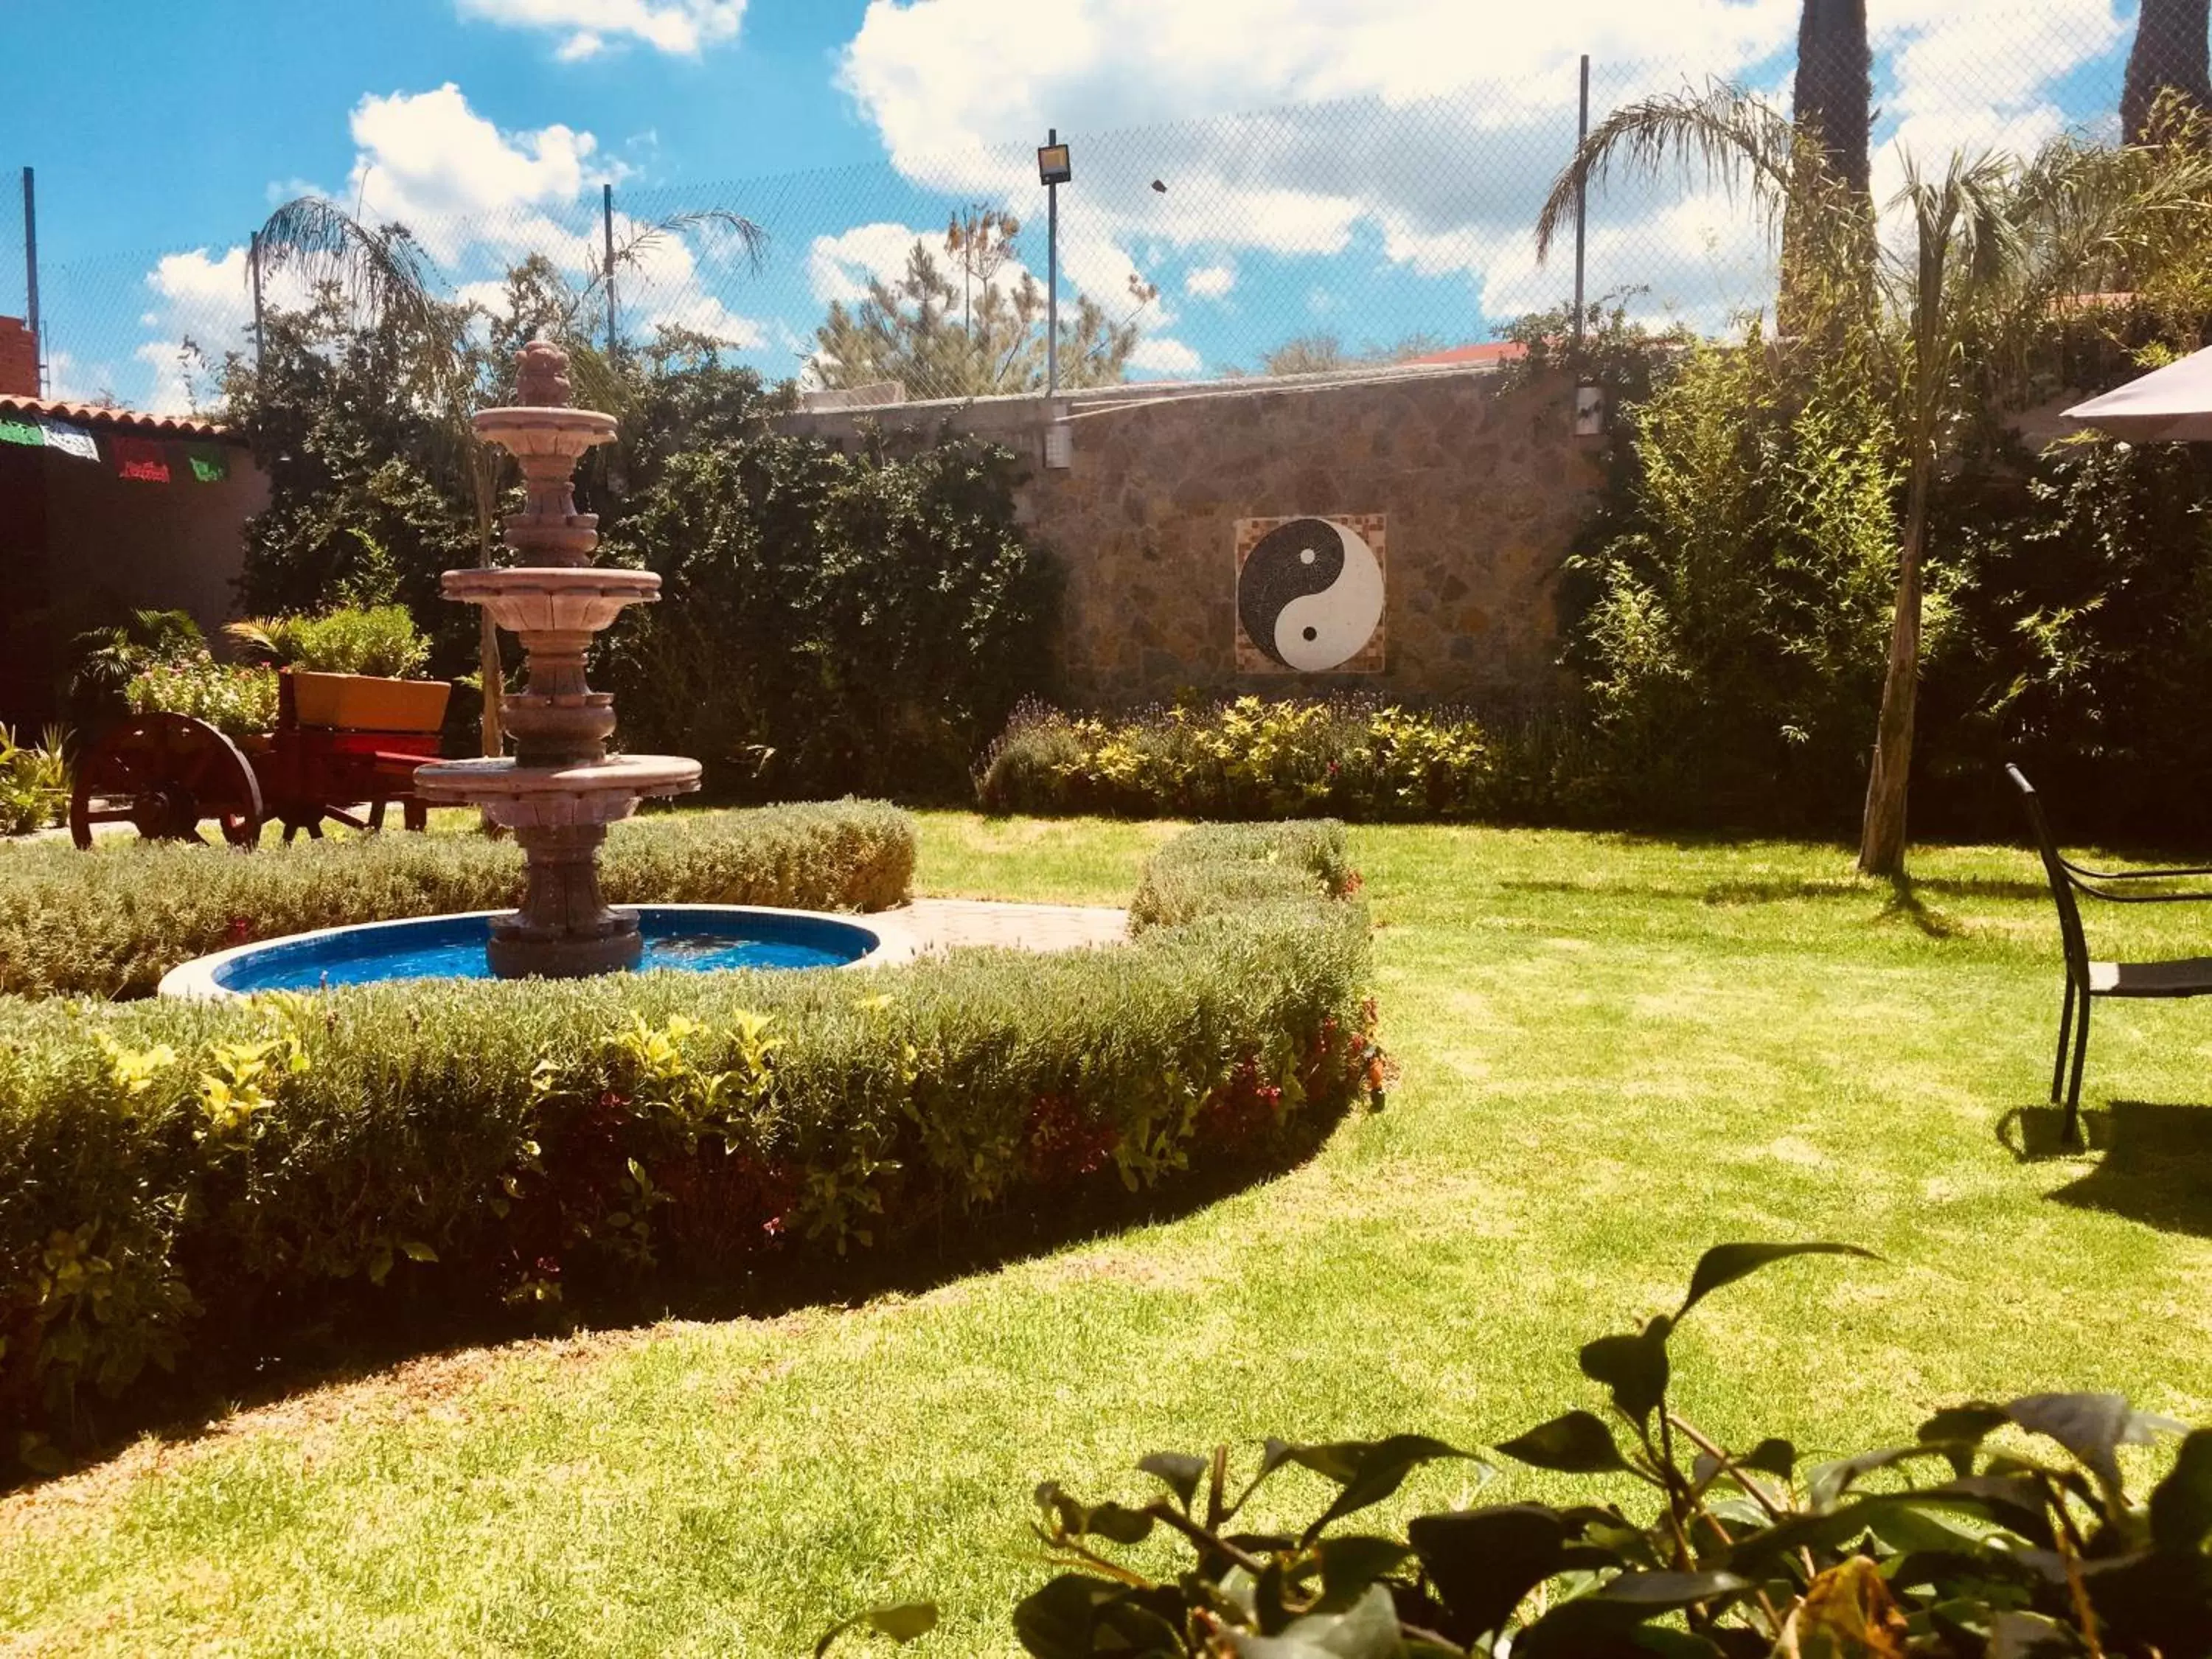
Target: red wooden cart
x=168 y=774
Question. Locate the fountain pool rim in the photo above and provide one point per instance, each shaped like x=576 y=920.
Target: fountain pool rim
x=203 y=978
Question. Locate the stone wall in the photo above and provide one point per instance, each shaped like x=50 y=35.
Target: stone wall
x=1477 y=491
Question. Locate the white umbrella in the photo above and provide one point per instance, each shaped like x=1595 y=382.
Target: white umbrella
x=2173 y=403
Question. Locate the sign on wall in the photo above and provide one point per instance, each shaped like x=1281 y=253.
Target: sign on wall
x=1309 y=594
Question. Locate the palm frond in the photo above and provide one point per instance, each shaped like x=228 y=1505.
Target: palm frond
x=1736 y=139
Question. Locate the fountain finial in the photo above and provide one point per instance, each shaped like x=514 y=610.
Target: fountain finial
x=540 y=380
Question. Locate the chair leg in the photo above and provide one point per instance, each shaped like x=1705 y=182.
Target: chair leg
x=2073 y=1130
x=2065 y=1032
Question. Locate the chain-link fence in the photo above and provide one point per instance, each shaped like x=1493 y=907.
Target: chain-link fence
x=1305 y=237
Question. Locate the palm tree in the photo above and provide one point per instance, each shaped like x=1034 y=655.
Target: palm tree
x=1963 y=245
x=387 y=273
x=1834 y=97
x=1944 y=321
x=2170 y=55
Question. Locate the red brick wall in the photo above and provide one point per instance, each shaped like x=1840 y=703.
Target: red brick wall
x=19 y=359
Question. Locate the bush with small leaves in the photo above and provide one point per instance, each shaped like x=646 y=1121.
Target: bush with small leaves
x=1344 y=757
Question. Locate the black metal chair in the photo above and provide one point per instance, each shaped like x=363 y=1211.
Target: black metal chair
x=2188 y=976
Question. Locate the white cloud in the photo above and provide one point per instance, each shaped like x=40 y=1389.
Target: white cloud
x=212 y=295
x=840 y=267
x=1163 y=355
x=478 y=200
x=206 y=298
x=1210 y=281
x=430 y=162
x=71 y=380
x=995 y=71
x=1446 y=176
x=681 y=27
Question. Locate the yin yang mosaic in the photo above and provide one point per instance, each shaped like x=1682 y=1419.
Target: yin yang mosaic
x=1310 y=594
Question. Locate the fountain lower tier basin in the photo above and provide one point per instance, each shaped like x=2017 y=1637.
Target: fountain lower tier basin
x=697 y=939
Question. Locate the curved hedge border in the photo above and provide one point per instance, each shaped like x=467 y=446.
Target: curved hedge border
x=182 y=1184
x=111 y=923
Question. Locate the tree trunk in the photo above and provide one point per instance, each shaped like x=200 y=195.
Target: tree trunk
x=1834 y=91
x=1834 y=97
x=1882 y=838
x=2169 y=51
x=493 y=675
x=490 y=674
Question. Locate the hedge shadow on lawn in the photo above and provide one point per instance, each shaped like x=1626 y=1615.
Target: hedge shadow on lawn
x=355 y=1345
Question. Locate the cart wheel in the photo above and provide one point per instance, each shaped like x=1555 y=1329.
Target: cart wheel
x=163 y=774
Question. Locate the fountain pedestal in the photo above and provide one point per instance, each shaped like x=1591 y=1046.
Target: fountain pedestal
x=561 y=789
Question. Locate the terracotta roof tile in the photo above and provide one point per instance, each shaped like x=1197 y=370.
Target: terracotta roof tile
x=103 y=418
x=1495 y=351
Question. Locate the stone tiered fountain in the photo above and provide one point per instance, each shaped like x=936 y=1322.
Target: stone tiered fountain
x=561 y=790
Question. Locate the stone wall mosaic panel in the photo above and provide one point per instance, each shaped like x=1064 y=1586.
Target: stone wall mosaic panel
x=1310 y=593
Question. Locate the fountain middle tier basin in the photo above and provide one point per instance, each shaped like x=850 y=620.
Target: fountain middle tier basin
x=523 y=796
x=687 y=938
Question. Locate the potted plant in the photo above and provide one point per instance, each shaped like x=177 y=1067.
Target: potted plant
x=351 y=668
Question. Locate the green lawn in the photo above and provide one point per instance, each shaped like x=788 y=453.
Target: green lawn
x=1615 y=1051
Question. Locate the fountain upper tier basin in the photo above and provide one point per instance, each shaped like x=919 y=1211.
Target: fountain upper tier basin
x=686 y=937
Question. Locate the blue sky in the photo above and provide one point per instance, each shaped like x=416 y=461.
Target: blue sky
x=1397 y=202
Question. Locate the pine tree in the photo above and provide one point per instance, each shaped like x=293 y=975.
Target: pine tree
x=979 y=335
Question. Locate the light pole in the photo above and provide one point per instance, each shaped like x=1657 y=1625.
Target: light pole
x=1053 y=172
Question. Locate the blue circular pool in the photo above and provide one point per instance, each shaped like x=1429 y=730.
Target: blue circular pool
x=690 y=939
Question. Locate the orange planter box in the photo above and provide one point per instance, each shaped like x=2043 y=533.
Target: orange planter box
x=365 y=702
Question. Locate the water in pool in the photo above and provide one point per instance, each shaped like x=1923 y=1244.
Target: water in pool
x=453 y=947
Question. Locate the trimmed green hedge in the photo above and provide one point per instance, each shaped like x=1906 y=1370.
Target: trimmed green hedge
x=111 y=923
x=182 y=1184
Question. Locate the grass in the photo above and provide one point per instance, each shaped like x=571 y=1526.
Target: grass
x=1615 y=1051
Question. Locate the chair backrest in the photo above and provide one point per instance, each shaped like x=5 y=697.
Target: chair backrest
x=2062 y=881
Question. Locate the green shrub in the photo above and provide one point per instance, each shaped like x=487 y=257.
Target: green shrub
x=34 y=781
x=2000 y=1529
x=181 y=1184
x=1737 y=599
x=1350 y=758
x=235 y=699
x=379 y=639
x=830 y=621
x=1216 y=869
x=111 y=923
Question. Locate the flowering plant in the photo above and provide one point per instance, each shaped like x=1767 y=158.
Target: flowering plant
x=234 y=699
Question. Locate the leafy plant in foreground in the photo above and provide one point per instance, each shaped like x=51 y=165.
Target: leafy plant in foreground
x=1994 y=1547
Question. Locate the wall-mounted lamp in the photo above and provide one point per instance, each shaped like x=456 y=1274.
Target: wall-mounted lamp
x=1589 y=410
x=1059 y=444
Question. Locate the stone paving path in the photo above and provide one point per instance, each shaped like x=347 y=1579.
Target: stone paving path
x=927 y=926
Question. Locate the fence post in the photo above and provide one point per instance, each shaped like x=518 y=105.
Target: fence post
x=31 y=279
x=1581 y=203
x=253 y=268
x=1051 y=278
x=607 y=220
